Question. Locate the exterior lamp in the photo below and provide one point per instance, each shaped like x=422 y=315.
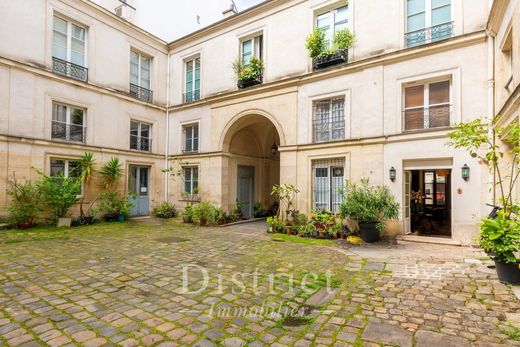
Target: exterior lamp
x=393 y=174
x=465 y=172
x=274 y=149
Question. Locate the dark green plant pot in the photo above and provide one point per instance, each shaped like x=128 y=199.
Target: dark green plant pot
x=368 y=232
x=508 y=273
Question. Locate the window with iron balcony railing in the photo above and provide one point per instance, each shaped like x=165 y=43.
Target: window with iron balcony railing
x=428 y=35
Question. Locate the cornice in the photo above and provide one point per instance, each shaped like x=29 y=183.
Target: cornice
x=496 y=15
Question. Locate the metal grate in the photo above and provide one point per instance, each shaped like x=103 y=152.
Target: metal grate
x=329 y=120
x=68 y=132
x=427 y=35
x=68 y=69
x=141 y=93
x=328 y=180
x=191 y=96
x=140 y=143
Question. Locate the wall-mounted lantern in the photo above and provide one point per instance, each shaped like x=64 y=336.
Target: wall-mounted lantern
x=274 y=149
x=393 y=174
x=465 y=172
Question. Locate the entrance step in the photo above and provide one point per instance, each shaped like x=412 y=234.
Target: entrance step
x=430 y=239
x=4 y=226
x=247 y=221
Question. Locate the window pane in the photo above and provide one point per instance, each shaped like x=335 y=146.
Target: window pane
x=145 y=72
x=60 y=113
x=441 y=15
x=247 y=51
x=416 y=22
x=57 y=167
x=414 y=97
x=76 y=116
x=132 y=180
x=145 y=130
x=59 y=41
x=134 y=68
x=74 y=169
x=415 y=6
x=440 y=93
x=341 y=15
x=323 y=21
x=439 y=116
x=134 y=128
x=440 y=3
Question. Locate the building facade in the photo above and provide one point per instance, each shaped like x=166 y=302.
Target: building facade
x=383 y=113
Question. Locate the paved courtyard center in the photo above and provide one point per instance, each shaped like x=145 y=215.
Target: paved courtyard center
x=122 y=284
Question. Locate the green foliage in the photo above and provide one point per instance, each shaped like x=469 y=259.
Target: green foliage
x=307 y=230
x=253 y=70
x=25 y=203
x=188 y=211
x=500 y=237
x=366 y=203
x=343 y=39
x=258 y=210
x=112 y=205
x=300 y=219
x=285 y=193
x=204 y=212
x=481 y=138
x=166 y=210
x=275 y=223
x=59 y=193
x=86 y=163
x=316 y=43
x=111 y=171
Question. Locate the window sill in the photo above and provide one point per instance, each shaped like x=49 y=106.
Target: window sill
x=428 y=130
x=68 y=141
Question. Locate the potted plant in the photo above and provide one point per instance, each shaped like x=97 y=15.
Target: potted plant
x=307 y=230
x=113 y=207
x=370 y=206
x=248 y=75
x=499 y=236
x=324 y=55
x=285 y=194
x=59 y=194
x=166 y=210
x=275 y=224
x=25 y=204
x=204 y=212
x=187 y=214
x=87 y=163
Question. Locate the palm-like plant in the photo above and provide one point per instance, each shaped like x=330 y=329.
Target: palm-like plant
x=111 y=172
x=87 y=165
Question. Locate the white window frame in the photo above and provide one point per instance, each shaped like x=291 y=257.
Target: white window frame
x=330 y=122
x=193 y=60
x=139 y=77
x=192 y=185
x=257 y=46
x=66 y=170
x=428 y=11
x=139 y=134
x=184 y=137
x=69 y=38
x=329 y=165
x=426 y=104
x=332 y=20
x=68 y=122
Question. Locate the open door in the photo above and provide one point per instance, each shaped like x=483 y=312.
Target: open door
x=407 y=200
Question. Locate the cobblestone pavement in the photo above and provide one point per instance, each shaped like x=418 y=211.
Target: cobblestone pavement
x=122 y=285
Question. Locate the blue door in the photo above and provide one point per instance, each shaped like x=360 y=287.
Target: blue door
x=139 y=188
x=245 y=191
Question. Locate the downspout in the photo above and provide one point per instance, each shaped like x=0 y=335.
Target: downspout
x=491 y=102
x=167 y=137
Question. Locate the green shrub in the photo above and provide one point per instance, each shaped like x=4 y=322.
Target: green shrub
x=316 y=43
x=343 y=39
x=113 y=206
x=500 y=237
x=276 y=223
x=25 y=203
x=59 y=193
x=248 y=72
x=204 y=213
x=369 y=204
x=112 y=171
x=166 y=210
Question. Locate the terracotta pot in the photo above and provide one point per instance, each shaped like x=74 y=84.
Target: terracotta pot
x=321 y=233
x=24 y=225
x=288 y=229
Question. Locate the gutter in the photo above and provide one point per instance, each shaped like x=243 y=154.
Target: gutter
x=167 y=137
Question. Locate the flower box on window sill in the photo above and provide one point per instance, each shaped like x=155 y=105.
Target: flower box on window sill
x=191 y=198
x=339 y=57
x=249 y=82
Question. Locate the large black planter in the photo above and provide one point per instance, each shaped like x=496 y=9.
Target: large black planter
x=508 y=273
x=340 y=57
x=368 y=232
x=249 y=83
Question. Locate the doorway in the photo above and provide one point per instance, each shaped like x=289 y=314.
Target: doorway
x=245 y=190
x=427 y=202
x=139 y=188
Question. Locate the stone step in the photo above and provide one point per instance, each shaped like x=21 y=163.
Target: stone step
x=430 y=239
x=4 y=226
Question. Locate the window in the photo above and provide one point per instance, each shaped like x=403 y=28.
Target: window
x=66 y=168
x=68 y=49
x=191 y=180
x=68 y=123
x=328 y=181
x=192 y=88
x=435 y=187
x=140 y=72
x=191 y=138
x=252 y=47
x=140 y=136
x=329 y=120
x=428 y=21
x=332 y=21
x=427 y=106
x=507 y=50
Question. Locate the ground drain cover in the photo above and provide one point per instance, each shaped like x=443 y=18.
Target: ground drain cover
x=171 y=239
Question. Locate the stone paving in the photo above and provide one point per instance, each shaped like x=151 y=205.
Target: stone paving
x=122 y=285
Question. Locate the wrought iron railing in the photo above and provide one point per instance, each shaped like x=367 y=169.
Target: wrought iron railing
x=69 y=69
x=191 y=96
x=427 y=117
x=140 y=143
x=427 y=35
x=68 y=132
x=141 y=93
x=328 y=130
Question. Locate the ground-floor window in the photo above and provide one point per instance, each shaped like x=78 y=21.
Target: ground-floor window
x=191 y=180
x=66 y=168
x=328 y=181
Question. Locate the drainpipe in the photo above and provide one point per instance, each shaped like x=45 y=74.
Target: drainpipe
x=167 y=137
x=491 y=101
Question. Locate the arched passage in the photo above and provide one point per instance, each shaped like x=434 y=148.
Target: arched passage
x=251 y=165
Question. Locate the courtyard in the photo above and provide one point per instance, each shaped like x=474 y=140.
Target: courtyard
x=122 y=284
